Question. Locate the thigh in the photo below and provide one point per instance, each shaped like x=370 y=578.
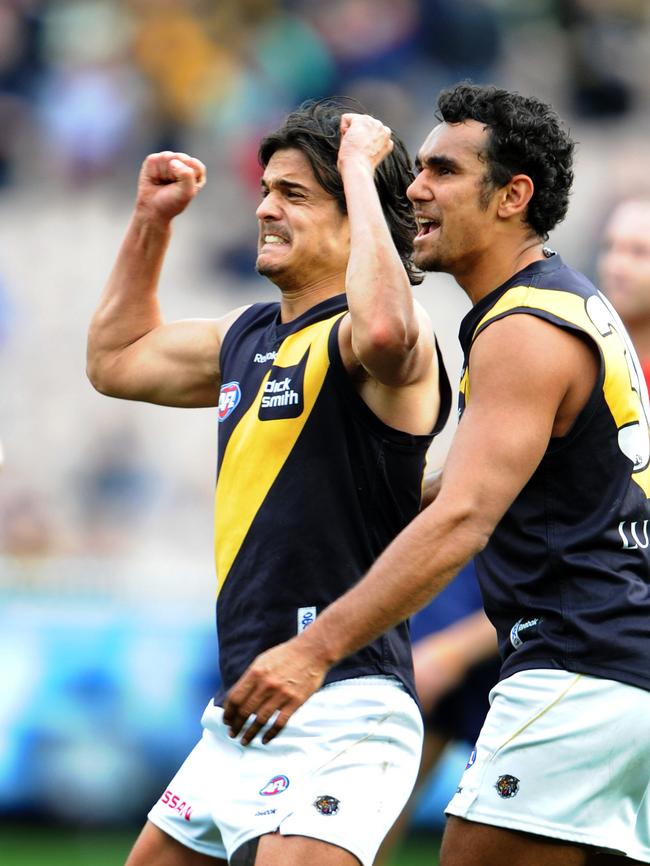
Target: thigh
x=466 y=843
x=277 y=850
x=610 y=860
x=155 y=848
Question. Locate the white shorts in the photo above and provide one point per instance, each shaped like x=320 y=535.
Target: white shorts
x=340 y=771
x=563 y=755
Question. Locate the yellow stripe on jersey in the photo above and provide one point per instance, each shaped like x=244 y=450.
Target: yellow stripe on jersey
x=257 y=450
x=624 y=387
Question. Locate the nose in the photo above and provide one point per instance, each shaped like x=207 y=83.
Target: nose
x=419 y=190
x=269 y=208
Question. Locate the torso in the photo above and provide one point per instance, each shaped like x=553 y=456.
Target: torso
x=566 y=575
x=311 y=487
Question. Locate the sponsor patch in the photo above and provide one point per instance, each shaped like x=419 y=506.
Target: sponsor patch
x=523 y=629
x=471 y=759
x=507 y=786
x=326 y=805
x=282 y=396
x=174 y=802
x=277 y=785
x=229 y=397
x=263 y=812
x=306 y=615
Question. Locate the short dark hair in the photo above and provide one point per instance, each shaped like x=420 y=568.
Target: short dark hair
x=314 y=129
x=525 y=137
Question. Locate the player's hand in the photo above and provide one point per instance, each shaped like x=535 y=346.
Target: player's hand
x=364 y=137
x=167 y=184
x=279 y=681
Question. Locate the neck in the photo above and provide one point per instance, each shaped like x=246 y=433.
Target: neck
x=295 y=301
x=494 y=266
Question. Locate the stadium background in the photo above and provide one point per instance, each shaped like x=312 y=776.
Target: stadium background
x=107 y=652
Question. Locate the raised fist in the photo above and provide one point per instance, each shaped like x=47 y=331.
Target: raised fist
x=364 y=137
x=167 y=184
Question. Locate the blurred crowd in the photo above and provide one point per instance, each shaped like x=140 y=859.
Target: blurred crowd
x=88 y=87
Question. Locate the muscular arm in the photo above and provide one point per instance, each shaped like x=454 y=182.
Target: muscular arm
x=386 y=332
x=529 y=381
x=132 y=353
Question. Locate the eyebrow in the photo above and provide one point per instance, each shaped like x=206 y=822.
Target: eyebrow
x=440 y=161
x=284 y=184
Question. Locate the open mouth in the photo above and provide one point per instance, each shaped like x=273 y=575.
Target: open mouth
x=426 y=226
x=274 y=239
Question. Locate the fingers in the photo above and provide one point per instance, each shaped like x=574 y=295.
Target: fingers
x=263 y=705
x=364 y=137
x=170 y=167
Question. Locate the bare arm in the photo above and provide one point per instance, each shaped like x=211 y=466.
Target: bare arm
x=386 y=332
x=441 y=660
x=132 y=353
x=431 y=487
x=529 y=380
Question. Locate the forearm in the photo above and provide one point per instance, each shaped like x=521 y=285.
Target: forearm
x=128 y=308
x=379 y=294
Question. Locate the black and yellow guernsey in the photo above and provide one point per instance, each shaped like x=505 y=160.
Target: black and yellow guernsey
x=565 y=577
x=311 y=487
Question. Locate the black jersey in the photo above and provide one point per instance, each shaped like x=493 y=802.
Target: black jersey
x=565 y=576
x=311 y=487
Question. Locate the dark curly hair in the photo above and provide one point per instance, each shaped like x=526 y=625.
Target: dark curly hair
x=525 y=137
x=314 y=128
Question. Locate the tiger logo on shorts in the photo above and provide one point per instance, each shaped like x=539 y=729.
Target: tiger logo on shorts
x=326 y=805
x=507 y=786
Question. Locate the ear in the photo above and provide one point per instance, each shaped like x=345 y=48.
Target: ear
x=514 y=196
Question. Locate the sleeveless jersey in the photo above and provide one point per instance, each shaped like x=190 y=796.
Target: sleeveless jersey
x=311 y=487
x=565 y=577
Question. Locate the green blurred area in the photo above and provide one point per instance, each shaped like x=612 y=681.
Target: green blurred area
x=38 y=845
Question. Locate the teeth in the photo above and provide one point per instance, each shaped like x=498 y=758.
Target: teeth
x=273 y=239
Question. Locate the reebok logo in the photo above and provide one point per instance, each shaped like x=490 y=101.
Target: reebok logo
x=258 y=358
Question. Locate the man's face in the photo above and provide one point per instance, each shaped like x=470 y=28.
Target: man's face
x=624 y=261
x=303 y=236
x=448 y=194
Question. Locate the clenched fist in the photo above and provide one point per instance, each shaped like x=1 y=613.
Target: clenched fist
x=364 y=137
x=167 y=184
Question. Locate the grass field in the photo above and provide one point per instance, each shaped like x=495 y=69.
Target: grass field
x=36 y=845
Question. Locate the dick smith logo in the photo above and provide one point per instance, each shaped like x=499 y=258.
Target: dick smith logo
x=282 y=395
x=279 y=393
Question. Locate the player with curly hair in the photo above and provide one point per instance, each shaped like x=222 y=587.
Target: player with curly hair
x=547 y=485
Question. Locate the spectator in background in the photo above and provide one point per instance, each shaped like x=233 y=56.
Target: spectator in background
x=624 y=269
